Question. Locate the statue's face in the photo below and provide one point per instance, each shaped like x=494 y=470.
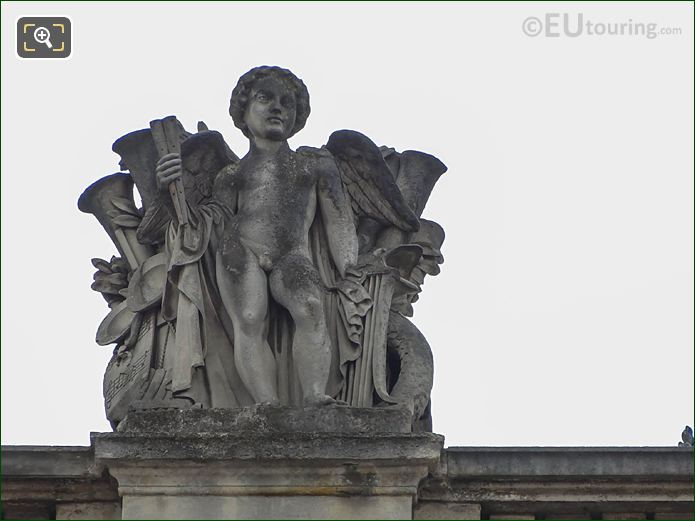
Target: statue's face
x=271 y=111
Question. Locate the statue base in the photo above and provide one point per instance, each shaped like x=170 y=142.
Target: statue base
x=268 y=462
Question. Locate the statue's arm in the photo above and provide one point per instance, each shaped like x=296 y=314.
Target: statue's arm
x=160 y=212
x=225 y=188
x=337 y=215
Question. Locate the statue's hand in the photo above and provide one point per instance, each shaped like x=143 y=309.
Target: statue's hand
x=168 y=170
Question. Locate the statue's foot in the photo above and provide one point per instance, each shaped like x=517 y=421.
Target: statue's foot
x=270 y=402
x=321 y=399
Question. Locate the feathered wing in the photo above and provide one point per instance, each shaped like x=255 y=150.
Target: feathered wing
x=203 y=155
x=366 y=177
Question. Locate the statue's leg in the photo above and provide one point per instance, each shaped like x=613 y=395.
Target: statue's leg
x=295 y=285
x=244 y=291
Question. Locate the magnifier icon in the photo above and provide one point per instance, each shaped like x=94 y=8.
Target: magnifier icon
x=43 y=35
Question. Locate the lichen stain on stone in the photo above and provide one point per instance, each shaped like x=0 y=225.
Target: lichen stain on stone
x=353 y=475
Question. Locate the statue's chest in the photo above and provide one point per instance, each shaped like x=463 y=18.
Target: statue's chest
x=285 y=177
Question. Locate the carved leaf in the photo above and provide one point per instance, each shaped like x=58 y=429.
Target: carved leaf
x=101 y=265
x=104 y=286
x=119 y=264
x=127 y=221
x=125 y=205
x=113 y=213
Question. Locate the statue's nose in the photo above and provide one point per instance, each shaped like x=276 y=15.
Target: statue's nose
x=276 y=107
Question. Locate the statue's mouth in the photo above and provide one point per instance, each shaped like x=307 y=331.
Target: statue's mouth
x=275 y=119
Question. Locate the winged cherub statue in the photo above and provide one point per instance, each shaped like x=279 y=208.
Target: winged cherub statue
x=282 y=277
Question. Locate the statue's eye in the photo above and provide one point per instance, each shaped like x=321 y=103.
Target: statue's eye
x=261 y=96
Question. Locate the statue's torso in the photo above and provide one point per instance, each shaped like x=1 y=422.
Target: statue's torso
x=276 y=204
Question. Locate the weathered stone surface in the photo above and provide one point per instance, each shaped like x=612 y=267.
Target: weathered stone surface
x=48 y=461
x=32 y=488
x=625 y=515
x=261 y=507
x=499 y=462
x=262 y=419
x=674 y=515
x=93 y=510
x=27 y=510
x=48 y=475
x=443 y=510
x=270 y=475
x=512 y=516
x=660 y=487
x=570 y=481
x=416 y=447
x=354 y=478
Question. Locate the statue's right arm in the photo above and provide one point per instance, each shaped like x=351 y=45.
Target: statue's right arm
x=167 y=171
x=161 y=212
x=225 y=190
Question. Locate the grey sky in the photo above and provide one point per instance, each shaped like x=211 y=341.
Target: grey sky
x=564 y=311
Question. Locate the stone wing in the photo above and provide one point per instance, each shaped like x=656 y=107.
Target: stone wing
x=368 y=181
x=203 y=155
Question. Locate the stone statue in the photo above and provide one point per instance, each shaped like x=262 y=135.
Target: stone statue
x=283 y=278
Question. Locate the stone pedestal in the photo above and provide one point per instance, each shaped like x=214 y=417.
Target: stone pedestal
x=268 y=462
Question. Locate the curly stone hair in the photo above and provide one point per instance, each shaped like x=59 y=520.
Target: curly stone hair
x=242 y=91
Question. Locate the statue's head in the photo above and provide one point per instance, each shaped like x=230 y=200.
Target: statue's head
x=269 y=102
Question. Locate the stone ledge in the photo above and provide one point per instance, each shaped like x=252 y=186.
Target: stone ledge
x=302 y=447
x=661 y=480
x=568 y=462
x=586 y=490
x=51 y=462
x=269 y=419
x=38 y=474
x=52 y=490
x=575 y=482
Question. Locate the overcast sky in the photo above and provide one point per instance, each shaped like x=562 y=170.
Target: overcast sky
x=564 y=311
